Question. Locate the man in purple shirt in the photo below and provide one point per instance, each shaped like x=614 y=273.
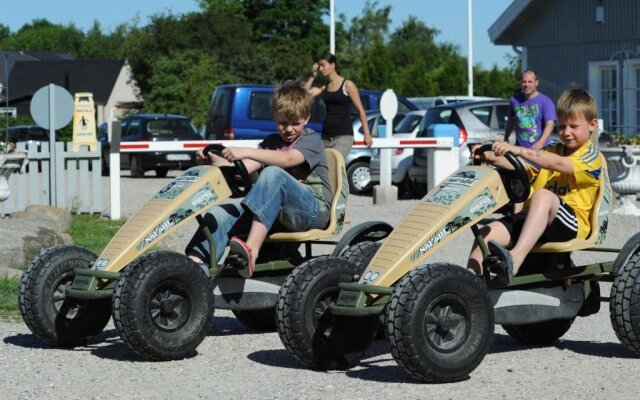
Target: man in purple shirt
x=531 y=113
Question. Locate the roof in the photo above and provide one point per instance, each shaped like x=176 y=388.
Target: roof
x=514 y=20
x=14 y=56
x=95 y=76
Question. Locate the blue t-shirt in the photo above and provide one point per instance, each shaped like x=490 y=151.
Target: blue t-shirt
x=531 y=116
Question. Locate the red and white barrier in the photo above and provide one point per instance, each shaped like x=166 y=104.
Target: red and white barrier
x=444 y=153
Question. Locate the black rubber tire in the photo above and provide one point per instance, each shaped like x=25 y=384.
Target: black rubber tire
x=163 y=306
x=540 y=333
x=439 y=323
x=360 y=254
x=356 y=169
x=45 y=309
x=624 y=306
x=315 y=337
x=161 y=172
x=135 y=166
x=263 y=320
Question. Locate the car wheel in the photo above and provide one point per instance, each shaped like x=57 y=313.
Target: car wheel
x=359 y=177
x=162 y=172
x=136 y=167
x=439 y=322
x=308 y=330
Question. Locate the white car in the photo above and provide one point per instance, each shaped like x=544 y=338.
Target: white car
x=407 y=128
x=358 y=160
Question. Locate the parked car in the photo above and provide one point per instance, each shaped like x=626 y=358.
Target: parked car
x=428 y=102
x=27 y=134
x=152 y=127
x=477 y=122
x=358 y=160
x=244 y=111
x=400 y=158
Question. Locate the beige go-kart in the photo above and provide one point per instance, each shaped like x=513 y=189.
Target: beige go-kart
x=439 y=318
x=162 y=303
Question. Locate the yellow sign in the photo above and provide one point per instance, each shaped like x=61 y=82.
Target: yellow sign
x=84 y=122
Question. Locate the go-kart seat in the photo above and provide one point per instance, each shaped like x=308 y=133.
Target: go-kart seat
x=337 y=177
x=600 y=211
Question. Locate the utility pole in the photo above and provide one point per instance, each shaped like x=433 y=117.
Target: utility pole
x=470 y=49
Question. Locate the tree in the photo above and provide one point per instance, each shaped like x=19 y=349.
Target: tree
x=182 y=83
x=42 y=35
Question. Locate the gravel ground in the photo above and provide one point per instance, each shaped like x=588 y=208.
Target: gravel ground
x=234 y=362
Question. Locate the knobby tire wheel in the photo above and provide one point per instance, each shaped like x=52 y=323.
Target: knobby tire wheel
x=539 y=333
x=262 y=320
x=624 y=306
x=439 y=323
x=308 y=330
x=163 y=306
x=56 y=319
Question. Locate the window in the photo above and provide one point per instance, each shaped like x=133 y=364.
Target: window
x=502 y=114
x=260 y=105
x=483 y=114
x=603 y=84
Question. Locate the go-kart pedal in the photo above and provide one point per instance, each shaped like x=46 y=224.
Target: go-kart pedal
x=500 y=262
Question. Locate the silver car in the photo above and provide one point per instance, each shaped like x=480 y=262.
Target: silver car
x=477 y=122
x=358 y=160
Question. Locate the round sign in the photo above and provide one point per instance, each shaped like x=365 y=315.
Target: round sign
x=388 y=105
x=62 y=109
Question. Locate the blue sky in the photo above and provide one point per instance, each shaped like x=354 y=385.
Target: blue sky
x=450 y=17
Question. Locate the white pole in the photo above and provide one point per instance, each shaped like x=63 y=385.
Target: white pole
x=53 y=188
x=332 y=27
x=114 y=172
x=470 y=50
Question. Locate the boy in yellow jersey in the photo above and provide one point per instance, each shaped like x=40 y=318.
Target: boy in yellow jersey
x=563 y=190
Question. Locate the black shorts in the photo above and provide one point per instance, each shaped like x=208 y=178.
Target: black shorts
x=563 y=228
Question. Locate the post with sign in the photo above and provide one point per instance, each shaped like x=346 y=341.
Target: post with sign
x=52 y=108
x=84 y=122
x=385 y=192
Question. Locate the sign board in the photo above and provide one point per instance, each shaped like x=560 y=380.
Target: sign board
x=389 y=106
x=84 y=122
x=52 y=103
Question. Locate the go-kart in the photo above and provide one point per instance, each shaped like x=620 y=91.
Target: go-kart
x=438 y=318
x=162 y=302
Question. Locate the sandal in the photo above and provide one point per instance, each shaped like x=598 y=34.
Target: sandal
x=505 y=261
x=246 y=267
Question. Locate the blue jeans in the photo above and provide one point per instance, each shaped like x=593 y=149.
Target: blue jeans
x=276 y=196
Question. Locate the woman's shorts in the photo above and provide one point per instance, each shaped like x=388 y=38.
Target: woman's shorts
x=563 y=228
x=342 y=143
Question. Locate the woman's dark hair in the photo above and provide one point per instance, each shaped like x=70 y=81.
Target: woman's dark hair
x=330 y=58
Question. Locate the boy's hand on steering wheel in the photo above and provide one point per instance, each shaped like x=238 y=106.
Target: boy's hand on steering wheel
x=235 y=153
x=500 y=148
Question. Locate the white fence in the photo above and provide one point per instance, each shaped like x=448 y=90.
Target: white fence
x=77 y=180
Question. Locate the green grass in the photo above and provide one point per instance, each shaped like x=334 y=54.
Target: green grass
x=89 y=231
x=9 y=289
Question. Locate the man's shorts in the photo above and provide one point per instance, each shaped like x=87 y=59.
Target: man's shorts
x=563 y=228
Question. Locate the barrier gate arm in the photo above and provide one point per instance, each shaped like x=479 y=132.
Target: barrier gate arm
x=443 y=150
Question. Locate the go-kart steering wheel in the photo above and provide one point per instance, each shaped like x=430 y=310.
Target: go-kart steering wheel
x=240 y=168
x=516 y=182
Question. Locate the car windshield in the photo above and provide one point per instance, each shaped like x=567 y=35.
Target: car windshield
x=170 y=127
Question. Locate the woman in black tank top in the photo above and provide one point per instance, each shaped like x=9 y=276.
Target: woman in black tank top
x=339 y=94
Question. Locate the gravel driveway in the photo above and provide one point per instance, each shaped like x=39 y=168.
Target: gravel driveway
x=234 y=362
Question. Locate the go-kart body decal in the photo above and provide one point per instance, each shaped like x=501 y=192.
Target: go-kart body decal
x=341 y=207
x=179 y=184
x=201 y=199
x=605 y=207
x=453 y=187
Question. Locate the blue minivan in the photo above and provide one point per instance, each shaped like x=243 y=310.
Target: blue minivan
x=241 y=111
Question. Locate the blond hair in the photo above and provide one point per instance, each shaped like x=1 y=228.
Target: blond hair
x=574 y=102
x=291 y=102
